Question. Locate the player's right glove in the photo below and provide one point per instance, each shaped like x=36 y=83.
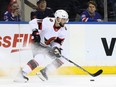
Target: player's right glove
x=56 y=51
x=36 y=36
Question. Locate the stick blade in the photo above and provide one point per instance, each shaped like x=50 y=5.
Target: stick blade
x=97 y=73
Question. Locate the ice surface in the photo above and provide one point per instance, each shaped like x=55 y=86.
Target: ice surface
x=63 y=81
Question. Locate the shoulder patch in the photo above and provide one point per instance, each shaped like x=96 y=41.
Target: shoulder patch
x=51 y=20
x=65 y=28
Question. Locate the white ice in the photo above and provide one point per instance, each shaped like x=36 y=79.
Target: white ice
x=63 y=81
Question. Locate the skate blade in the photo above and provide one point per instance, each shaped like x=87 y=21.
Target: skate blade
x=21 y=80
x=41 y=76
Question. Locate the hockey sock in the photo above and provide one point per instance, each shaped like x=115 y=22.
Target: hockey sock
x=31 y=65
x=53 y=66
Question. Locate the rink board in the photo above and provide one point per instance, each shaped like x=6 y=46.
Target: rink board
x=91 y=45
x=72 y=70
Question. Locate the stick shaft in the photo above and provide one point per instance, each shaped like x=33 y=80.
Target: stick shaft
x=95 y=74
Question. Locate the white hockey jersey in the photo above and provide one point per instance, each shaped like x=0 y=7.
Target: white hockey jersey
x=48 y=33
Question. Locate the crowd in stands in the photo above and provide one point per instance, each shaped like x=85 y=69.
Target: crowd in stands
x=42 y=10
x=13 y=13
x=10 y=10
x=78 y=10
x=3 y=7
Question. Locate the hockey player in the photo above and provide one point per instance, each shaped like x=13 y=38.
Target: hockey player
x=48 y=36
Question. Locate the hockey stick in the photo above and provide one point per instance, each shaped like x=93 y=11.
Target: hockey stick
x=94 y=75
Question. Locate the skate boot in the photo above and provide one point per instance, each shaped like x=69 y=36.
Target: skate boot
x=25 y=77
x=42 y=75
x=21 y=77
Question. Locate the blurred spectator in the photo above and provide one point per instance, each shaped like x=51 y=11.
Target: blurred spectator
x=71 y=6
x=13 y=13
x=112 y=5
x=91 y=15
x=100 y=7
x=73 y=9
x=114 y=8
x=3 y=7
x=42 y=10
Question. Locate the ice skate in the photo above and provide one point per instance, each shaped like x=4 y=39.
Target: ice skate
x=21 y=77
x=42 y=75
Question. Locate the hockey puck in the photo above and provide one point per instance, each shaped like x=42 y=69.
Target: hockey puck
x=92 y=80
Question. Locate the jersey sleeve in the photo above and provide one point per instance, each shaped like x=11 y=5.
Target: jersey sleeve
x=36 y=24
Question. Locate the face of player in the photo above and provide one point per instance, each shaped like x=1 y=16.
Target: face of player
x=42 y=5
x=61 y=21
x=91 y=8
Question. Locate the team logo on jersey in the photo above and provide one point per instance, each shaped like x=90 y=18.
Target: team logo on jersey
x=48 y=41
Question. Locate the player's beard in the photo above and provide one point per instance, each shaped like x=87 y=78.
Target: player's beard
x=61 y=25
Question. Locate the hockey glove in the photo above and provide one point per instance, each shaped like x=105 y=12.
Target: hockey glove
x=36 y=36
x=57 y=51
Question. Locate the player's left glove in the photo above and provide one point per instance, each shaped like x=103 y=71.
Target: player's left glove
x=36 y=36
x=56 y=51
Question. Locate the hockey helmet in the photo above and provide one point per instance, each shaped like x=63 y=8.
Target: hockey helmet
x=61 y=14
